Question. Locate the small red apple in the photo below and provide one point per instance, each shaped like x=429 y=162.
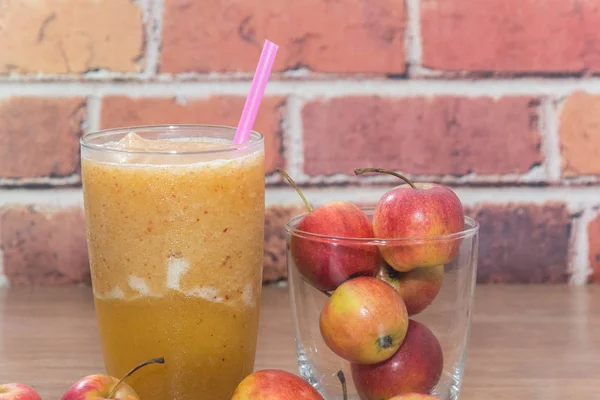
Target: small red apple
x=17 y=391
x=273 y=384
x=417 y=211
x=418 y=287
x=415 y=368
x=102 y=387
x=414 y=396
x=364 y=321
x=326 y=264
x=97 y=387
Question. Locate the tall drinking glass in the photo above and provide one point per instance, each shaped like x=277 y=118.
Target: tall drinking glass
x=175 y=220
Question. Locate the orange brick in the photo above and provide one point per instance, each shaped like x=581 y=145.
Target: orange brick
x=70 y=36
x=580 y=135
x=39 y=137
x=123 y=111
x=511 y=35
x=322 y=35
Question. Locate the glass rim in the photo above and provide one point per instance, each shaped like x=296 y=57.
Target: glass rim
x=472 y=227
x=255 y=140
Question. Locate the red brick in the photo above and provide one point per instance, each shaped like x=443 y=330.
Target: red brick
x=40 y=136
x=433 y=136
x=523 y=243
x=123 y=111
x=594 y=248
x=44 y=247
x=511 y=35
x=322 y=35
x=275 y=268
x=580 y=135
x=70 y=36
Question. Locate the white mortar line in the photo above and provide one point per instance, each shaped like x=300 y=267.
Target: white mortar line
x=580 y=264
x=295 y=168
x=53 y=181
x=576 y=199
x=272 y=178
x=94 y=111
x=412 y=40
x=580 y=180
x=536 y=174
x=43 y=197
x=153 y=16
x=147 y=70
x=294 y=148
x=310 y=89
x=3 y=279
x=549 y=125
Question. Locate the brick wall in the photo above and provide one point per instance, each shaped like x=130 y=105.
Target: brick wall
x=499 y=99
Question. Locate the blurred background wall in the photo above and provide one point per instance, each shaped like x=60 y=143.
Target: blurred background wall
x=497 y=98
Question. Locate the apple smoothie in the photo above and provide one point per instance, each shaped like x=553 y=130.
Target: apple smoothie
x=175 y=220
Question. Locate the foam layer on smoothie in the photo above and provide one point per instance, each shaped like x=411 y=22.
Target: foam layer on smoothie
x=136 y=150
x=134 y=142
x=189 y=223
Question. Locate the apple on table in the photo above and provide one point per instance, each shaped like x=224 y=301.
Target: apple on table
x=103 y=387
x=18 y=391
x=274 y=384
x=100 y=387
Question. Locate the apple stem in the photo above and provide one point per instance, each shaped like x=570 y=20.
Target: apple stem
x=159 y=360
x=342 y=379
x=360 y=171
x=295 y=186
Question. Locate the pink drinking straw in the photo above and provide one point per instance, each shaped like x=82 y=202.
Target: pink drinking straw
x=259 y=82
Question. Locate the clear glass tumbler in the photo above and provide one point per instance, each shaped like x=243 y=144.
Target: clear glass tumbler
x=438 y=302
x=175 y=228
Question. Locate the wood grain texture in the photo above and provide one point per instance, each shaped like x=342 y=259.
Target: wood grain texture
x=527 y=342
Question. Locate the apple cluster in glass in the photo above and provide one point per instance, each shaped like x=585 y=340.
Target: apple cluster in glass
x=374 y=290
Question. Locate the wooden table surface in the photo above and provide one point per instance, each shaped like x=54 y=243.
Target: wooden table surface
x=527 y=342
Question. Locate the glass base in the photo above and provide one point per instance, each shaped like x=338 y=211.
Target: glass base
x=447 y=389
